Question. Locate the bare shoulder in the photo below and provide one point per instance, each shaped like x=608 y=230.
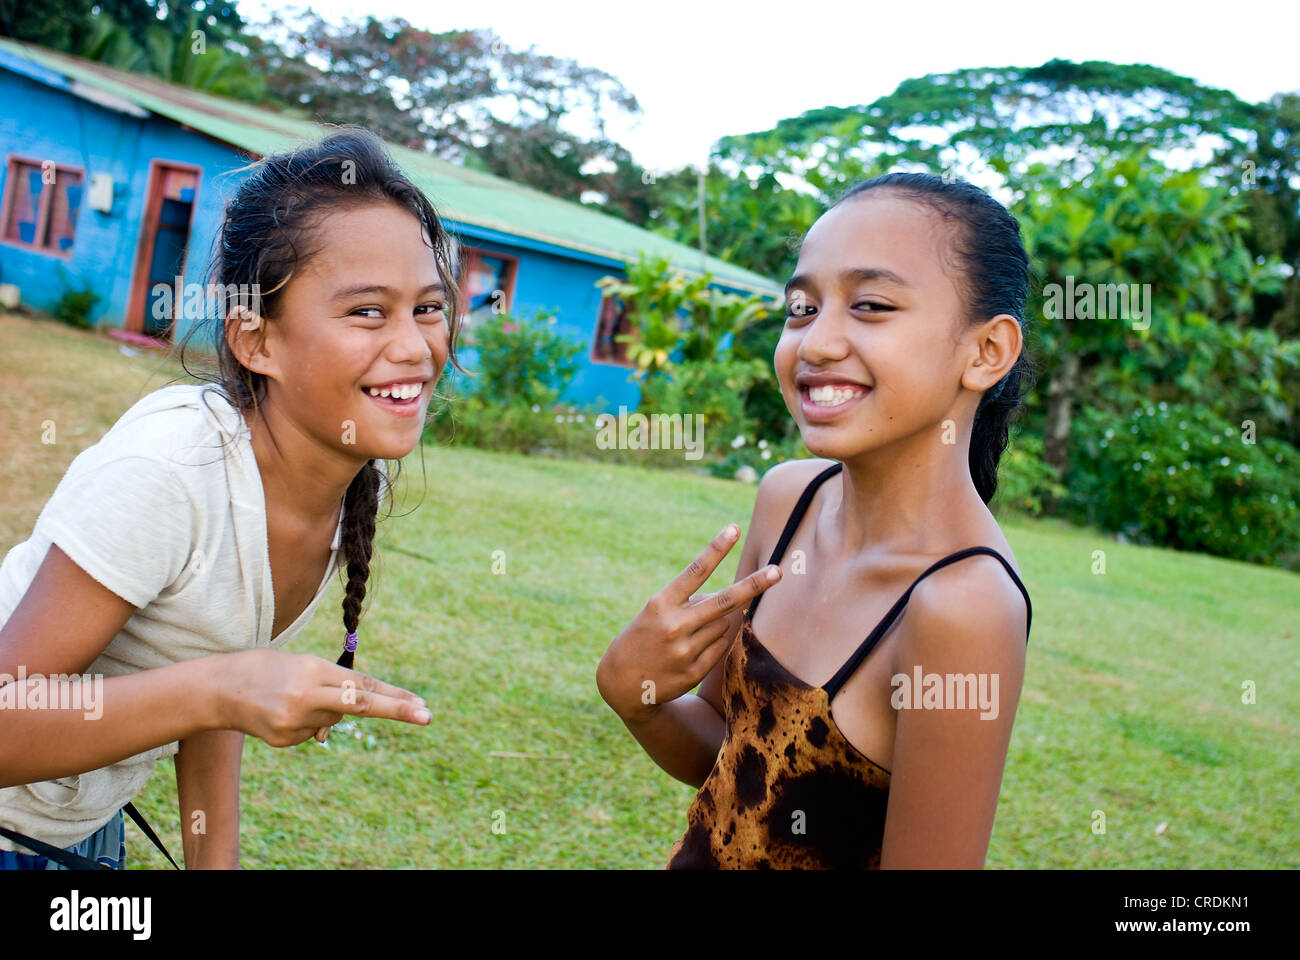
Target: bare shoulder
x=779 y=491
x=782 y=485
x=969 y=611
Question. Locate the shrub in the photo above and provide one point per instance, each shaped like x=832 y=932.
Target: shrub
x=75 y=304
x=522 y=361
x=1183 y=477
x=1025 y=482
x=713 y=388
x=759 y=453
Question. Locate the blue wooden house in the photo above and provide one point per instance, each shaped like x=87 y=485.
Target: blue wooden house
x=116 y=182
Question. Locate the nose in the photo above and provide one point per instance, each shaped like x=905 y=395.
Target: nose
x=824 y=339
x=409 y=343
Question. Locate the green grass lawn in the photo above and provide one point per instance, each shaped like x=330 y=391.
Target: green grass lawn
x=1132 y=702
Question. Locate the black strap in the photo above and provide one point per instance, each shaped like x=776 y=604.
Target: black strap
x=74 y=861
x=833 y=685
x=792 y=524
x=140 y=822
x=65 y=858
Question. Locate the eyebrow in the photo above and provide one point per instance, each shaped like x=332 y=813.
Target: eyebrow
x=345 y=292
x=854 y=275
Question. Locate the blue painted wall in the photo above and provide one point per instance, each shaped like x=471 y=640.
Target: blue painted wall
x=44 y=123
x=550 y=278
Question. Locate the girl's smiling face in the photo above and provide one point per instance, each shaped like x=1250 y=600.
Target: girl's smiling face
x=876 y=343
x=364 y=317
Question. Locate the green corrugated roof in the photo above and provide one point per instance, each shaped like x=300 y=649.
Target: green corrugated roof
x=468 y=196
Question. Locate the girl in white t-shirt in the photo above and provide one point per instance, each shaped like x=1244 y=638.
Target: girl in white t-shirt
x=200 y=533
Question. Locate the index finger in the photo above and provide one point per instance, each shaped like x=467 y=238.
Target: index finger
x=362 y=702
x=354 y=679
x=699 y=570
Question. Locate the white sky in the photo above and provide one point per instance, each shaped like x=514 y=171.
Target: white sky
x=705 y=69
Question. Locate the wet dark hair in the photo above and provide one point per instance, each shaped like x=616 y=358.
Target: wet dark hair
x=269 y=232
x=994 y=279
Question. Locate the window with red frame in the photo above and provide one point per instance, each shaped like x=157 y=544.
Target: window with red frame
x=41 y=205
x=614 y=321
x=487 y=283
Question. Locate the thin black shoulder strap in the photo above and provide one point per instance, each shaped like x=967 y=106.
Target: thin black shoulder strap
x=792 y=524
x=833 y=685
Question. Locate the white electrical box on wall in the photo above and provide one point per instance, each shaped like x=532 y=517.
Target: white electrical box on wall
x=101 y=192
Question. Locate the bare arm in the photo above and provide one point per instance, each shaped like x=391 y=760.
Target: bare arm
x=207 y=785
x=135 y=713
x=64 y=621
x=67 y=618
x=948 y=763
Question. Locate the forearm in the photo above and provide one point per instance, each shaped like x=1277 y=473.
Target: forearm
x=128 y=715
x=207 y=786
x=683 y=736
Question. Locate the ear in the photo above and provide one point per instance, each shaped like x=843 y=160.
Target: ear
x=996 y=346
x=249 y=338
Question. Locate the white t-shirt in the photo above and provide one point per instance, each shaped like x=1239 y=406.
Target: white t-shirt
x=167 y=511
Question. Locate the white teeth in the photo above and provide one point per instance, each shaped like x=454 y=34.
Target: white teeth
x=397 y=391
x=832 y=396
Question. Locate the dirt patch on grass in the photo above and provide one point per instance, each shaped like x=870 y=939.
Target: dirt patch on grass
x=61 y=389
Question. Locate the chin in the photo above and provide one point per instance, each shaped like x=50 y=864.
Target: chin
x=839 y=442
x=393 y=451
x=388 y=446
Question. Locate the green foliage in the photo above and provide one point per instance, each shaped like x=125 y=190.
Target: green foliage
x=512 y=401
x=446 y=93
x=1183 y=477
x=1006 y=115
x=1026 y=483
x=678 y=319
x=473 y=421
x=686 y=346
x=660 y=301
x=752 y=221
x=1132 y=226
x=714 y=389
x=76 y=303
x=522 y=360
x=1131 y=221
x=181 y=49
x=68 y=25
x=754 y=450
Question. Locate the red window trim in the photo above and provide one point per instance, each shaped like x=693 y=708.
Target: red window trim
x=47 y=200
x=470 y=258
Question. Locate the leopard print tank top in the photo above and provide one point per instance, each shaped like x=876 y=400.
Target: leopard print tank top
x=788 y=791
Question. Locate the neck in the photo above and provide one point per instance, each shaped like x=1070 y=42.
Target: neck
x=301 y=478
x=908 y=497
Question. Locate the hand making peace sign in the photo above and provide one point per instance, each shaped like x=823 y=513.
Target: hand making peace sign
x=678 y=637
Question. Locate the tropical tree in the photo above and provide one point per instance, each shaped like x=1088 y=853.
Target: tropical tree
x=1165 y=248
x=461 y=94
